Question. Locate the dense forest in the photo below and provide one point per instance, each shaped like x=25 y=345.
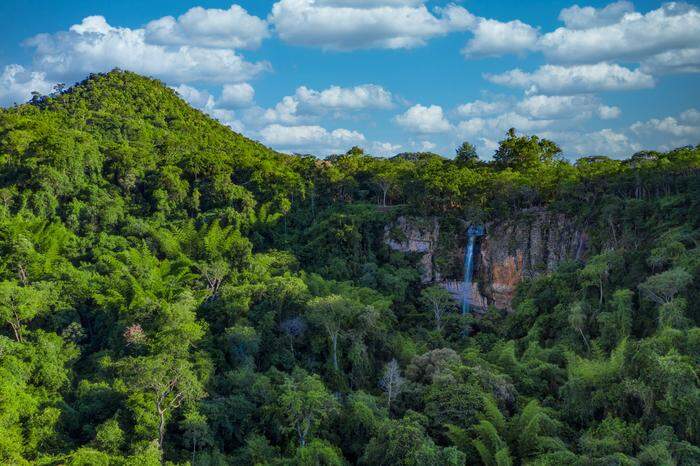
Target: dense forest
x=172 y=292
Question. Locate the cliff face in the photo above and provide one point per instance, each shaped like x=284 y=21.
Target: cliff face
x=416 y=236
x=535 y=243
x=532 y=243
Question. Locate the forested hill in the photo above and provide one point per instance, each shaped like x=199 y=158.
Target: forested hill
x=173 y=292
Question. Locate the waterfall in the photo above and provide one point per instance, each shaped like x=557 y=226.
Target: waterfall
x=472 y=234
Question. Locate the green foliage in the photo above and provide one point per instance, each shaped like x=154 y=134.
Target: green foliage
x=174 y=293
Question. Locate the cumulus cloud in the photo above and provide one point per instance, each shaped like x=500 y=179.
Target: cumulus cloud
x=666 y=133
x=237 y=95
x=673 y=61
x=481 y=108
x=195 y=97
x=421 y=119
x=385 y=148
x=340 y=98
x=494 y=38
x=427 y=145
x=307 y=104
x=606 y=112
x=616 y=34
x=232 y=28
x=309 y=137
x=349 y=25
x=690 y=116
x=577 y=17
x=555 y=79
x=17 y=84
x=668 y=125
x=498 y=125
x=285 y=111
x=206 y=102
x=95 y=46
x=604 y=142
x=565 y=106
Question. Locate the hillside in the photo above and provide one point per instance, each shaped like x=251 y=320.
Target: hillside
x=173 y=292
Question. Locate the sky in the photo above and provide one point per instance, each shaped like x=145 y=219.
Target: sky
x=321 y=76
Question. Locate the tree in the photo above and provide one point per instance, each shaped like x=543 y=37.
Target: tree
x=466 y=155
x=391 y=382
x=597 y=270
x=661 y=288
x=169 y=381
x=439 y=300
x=616 y=324
x=305 y=403
x=333 y=314
x=404 y=442
x=523 y=153
x=19 y=304
x=577 y=320
x=196 y=431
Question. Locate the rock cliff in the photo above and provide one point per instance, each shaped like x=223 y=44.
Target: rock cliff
x=531 y=243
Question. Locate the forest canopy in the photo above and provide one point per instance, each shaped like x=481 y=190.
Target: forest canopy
x=173 y=292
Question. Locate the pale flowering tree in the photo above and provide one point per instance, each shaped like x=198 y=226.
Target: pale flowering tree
x=391 y=382
x=134 y=335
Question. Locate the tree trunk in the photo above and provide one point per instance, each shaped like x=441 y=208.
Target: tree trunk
x=16 y=327
x=334 y=342
x=16 y=330
x=161 y=427
x=438 y=319
x=584 y=339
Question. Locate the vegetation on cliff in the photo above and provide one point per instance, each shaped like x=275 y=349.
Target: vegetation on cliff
x=171 y=291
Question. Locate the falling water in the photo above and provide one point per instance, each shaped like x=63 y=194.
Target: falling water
x=472 y=233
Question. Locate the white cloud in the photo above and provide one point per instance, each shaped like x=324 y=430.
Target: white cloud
x=481 y=108
x=285 y=111
x=95 y=46
x=195 y=97
x=565 y=106
x=554 y=79
x=673 y=61
x=498 y=125
x=669 y=132
x=204 y=101
x=313 y=137
x=668 y=125
x=690 y=116
x=226 y=117
x=634 y=36
x=340 y=98
x=348 y=25
x=427 y=146
x=17 y=84
x=232 y=28
x=603 y=142
x=494 y=38
x=422 y=119
x=577 y=17
x=606 y=112
x=306 y=104
x=385 y=148
x=237 y=95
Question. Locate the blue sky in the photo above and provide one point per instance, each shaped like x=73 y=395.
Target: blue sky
x=318 y=76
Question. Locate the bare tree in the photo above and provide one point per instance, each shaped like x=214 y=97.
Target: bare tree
x=392 y=382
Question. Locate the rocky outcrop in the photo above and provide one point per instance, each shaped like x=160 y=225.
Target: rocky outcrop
x=535 y=241
x=414 y=235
